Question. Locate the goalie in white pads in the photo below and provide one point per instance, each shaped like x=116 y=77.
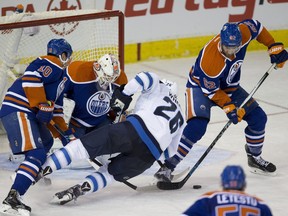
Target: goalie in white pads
x=91 y=86
x=153 y=131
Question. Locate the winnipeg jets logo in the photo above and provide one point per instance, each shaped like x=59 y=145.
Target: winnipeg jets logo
x=98 y=104
x=233 y=71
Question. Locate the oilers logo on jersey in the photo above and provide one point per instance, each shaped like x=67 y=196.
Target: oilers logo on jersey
x=98 y=104
x=61 y=87
x=233 y=71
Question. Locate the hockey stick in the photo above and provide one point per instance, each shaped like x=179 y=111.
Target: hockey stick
x=134 y=187
x=177 y=185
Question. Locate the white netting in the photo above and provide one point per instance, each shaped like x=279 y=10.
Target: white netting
x=91 y=37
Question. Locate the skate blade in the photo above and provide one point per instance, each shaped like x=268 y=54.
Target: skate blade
x=61 y=201
x=8 y=211
x=44 y=181
x=13 y=176
x=261 y=172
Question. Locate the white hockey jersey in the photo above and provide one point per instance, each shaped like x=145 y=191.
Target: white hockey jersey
x=157 y=116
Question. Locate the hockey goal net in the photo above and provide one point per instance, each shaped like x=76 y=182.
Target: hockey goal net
x=24 y=37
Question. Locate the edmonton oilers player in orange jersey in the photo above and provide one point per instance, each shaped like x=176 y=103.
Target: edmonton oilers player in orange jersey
x=90 y=87
x=214 y=80
x=28 y=107
x=232 y=200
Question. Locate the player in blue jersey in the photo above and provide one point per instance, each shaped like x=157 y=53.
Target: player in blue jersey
x=91 y=86
x=214 y=80
x=28 y=107
x=232 y=200
x=153 y=131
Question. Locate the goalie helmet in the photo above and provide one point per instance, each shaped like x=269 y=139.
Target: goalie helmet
x=107 y=69
x=233 y=177
x=231 y=38
x=58 y=46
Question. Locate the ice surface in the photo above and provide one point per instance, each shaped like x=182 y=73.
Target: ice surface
x=118 y=199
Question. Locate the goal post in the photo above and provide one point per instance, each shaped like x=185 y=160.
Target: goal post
x=24 y=37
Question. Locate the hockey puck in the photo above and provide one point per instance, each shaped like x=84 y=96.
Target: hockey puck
x=197 y=186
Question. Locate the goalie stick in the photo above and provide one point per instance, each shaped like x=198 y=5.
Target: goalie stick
x=177 y=185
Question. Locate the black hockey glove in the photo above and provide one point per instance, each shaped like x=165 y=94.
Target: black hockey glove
x=119 y=101
x=278 y=54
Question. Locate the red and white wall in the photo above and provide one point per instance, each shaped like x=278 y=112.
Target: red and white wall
x=153 y=20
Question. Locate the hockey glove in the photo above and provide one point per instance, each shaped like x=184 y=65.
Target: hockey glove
x=68 y=137
x=45 y=112
x=278 y=54
x=235 y=115
x=119 y=101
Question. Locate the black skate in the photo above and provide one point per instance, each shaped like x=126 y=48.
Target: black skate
x=163 y=174
x=13 y=205
x=68 y=195
x=259 y=165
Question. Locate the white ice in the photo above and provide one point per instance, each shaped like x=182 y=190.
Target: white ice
x=118 y=199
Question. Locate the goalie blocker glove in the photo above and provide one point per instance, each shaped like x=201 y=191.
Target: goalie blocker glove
x=278 y=54
x=119 y=101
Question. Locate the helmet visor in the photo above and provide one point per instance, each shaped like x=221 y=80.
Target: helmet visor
x=230 y=50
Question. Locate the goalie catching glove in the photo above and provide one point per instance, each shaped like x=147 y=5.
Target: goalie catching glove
x=235 y=115
x=119 y=101
x=278 y=54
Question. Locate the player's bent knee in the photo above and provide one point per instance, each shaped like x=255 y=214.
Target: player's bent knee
x=37 y=156
x=257 y=119
x=195 y=129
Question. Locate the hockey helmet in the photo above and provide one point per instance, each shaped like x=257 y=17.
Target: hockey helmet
x=231 y=38
x=107 y=69
x=58 y=46
x=233 y=177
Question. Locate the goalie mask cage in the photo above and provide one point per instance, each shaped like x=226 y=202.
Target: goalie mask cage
x=24 y=37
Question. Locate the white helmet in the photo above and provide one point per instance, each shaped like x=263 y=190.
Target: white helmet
x=107 y=69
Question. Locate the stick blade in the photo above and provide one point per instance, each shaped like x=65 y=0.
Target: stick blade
x=169 y=185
